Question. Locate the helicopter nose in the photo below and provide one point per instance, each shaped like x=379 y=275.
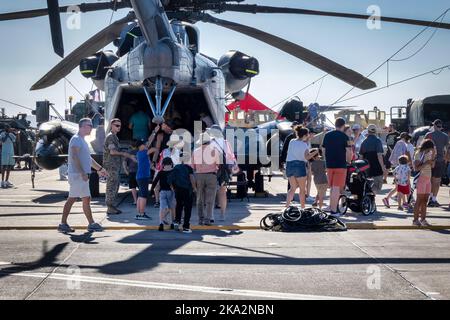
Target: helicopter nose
x=49 y=156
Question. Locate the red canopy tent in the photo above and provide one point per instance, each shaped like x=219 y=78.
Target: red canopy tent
x=250 y=103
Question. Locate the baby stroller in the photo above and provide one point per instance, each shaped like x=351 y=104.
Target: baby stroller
x=359 y=187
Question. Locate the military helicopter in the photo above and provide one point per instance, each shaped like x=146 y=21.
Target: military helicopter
x=159 y=58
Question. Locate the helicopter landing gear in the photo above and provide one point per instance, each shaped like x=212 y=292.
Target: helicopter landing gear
x=157 y=111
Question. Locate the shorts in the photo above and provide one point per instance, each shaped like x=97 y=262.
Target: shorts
x=296 y=169
x=423 y=185
x=336 y=177
x=132 y=183
x=78 y=188
x=166 y=199
x=143 y=187
x=377 y=184
x=439 y=169
x=403 y=189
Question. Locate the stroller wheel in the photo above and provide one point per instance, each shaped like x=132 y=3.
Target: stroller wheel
x=342 y=204
x=366 y=206
x=374 y=206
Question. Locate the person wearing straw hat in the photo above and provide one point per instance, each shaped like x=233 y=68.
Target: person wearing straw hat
x=205 y=163
x=228 y=167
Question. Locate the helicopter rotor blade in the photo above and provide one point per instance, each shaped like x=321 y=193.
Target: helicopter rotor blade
x=347 y=75
x=84 y=7
x=91 y=46
x=55 y=27
x=253 y=8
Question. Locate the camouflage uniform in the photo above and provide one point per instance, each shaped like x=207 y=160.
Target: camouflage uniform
x=112 y=165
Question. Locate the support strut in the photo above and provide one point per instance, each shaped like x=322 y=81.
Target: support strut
x=157 y=110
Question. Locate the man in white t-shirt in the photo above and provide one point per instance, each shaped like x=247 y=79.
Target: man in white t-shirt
x=79 y=169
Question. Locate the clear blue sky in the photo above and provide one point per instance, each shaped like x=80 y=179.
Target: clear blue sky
x=27 y=54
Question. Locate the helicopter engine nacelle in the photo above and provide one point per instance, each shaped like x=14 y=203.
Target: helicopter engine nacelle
x=238 y=68
x=96 y=67
x=53 y=144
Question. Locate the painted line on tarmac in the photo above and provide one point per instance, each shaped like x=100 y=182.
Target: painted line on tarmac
x=178 y=287
x=353 y=226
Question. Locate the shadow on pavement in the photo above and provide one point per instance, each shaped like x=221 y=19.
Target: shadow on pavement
x=49 y=259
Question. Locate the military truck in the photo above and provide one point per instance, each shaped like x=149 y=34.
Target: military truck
x=421 y=113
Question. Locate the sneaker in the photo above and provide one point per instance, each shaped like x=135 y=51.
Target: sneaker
x=112 y=210
x=424 y=223
x=400 y=208
x=143 y=217
x=416 y=223
x=187 y=230
x=65 y=228
x=206 y=223
x=200 y=222
x=3 y=184
x=314 y=205
x=9 y=184
x=156 y=205
x=434 y=204
x=172 y=226
x=386 y=203
x=310 y=199
x=211 y=221
x=161 y=227
x=176 y=226
x=95 y=227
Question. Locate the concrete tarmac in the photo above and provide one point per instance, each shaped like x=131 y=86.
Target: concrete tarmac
x=211 y=264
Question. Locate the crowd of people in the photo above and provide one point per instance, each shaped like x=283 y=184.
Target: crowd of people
x=417 y=170
x=154 y=166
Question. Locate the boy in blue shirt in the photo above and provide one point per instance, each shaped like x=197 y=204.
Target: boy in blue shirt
x=143 y=179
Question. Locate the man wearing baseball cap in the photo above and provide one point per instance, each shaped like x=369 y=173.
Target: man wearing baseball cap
x=372 y=151
x=441 y=141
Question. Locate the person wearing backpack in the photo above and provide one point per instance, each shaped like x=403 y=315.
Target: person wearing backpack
x=183 y=184
x=227 y=167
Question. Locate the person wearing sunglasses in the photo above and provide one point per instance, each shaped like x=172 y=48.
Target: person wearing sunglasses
x=112 y=161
